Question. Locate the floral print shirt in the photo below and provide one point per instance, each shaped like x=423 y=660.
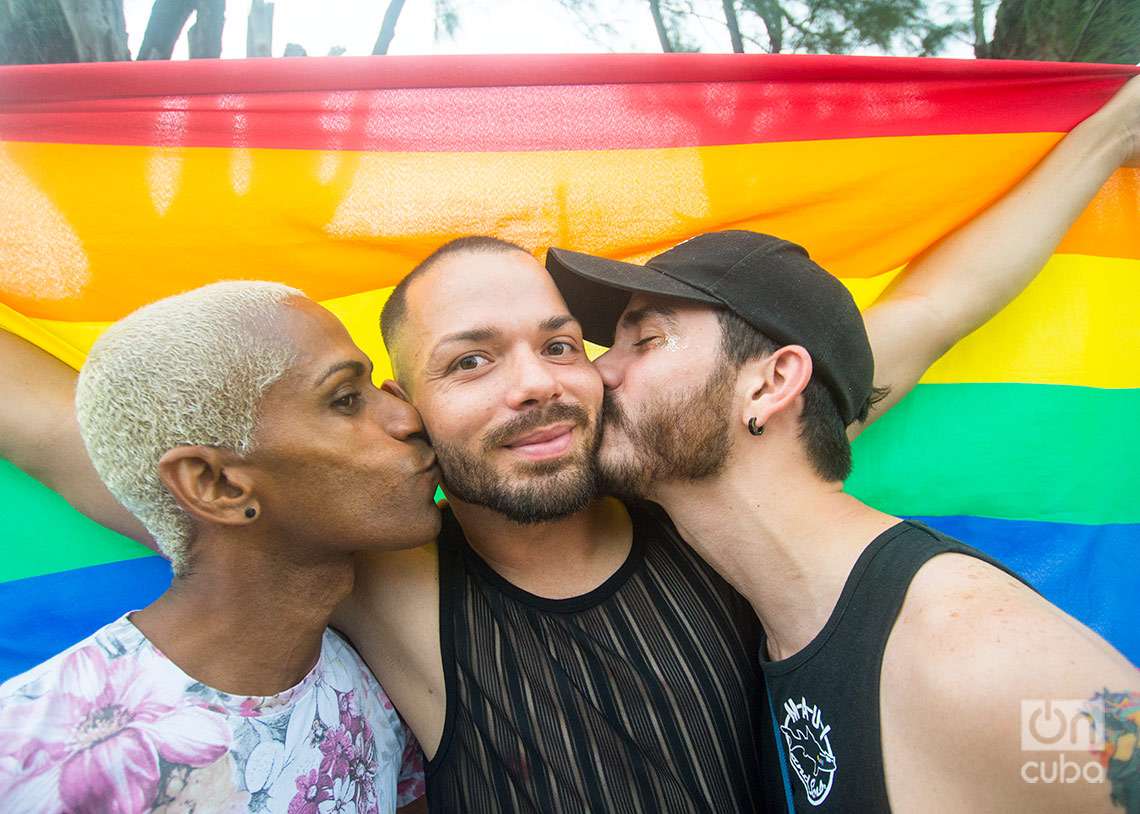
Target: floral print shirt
x=113 y=725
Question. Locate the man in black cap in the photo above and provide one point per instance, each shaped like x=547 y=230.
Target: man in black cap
x=897 y=660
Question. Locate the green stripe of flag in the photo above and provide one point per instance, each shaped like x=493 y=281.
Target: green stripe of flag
x=42 y=534
x=1050 y=453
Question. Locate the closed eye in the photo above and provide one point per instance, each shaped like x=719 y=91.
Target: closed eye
x=348 y=402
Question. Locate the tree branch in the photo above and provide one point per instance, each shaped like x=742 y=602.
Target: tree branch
x=388 y=27
x=167 y=19
x=659 y=23
x=733 y=25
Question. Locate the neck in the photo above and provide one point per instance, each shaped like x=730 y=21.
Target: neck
x=245 y=621
x=786 y=540
x=558 y=559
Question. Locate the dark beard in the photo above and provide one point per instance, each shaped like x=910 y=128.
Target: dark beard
x=685 y=438
x=554 y=489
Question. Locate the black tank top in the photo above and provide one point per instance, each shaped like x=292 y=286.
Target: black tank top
x=643 y=695
x=825 y=698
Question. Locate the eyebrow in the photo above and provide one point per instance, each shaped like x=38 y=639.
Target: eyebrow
x=473 y=335
x=632 y=319
x=554 y=323
x=357 y=368
x=485 y=333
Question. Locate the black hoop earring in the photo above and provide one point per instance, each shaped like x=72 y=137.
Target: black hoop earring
x=752 y=428
x=250 y=512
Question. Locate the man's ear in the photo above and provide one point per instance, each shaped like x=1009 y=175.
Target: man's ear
x=772 y=384
x=210 y=484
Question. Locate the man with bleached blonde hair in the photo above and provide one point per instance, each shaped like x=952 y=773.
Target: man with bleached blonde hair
x=138 y=396
x=239 y=424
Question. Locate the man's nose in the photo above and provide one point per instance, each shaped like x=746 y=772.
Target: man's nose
x=534 y=381
x=611 y=367
x=401 y=420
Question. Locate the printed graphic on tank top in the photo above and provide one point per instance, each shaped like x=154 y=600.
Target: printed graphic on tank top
x=824 y=700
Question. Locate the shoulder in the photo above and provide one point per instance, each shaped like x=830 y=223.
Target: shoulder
x=971 y=648
x=990 y=627
x=389 y=584
x=393 y=611
x=392 y=619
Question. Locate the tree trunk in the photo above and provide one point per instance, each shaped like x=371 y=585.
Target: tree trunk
x=388 y=27
x=259 y=32
x=659 y=22
x=167 y=19
x=733 y=26
x=1068 y=31
x=34 y=32
x=98 y=28
x=205 y=36
x=981 y=47
x=772 y=14
x=45 y=31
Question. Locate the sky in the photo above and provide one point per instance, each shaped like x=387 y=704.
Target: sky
x=487 y=26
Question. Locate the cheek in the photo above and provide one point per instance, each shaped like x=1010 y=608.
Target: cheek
x=665 y=372
x=652 y=390
x=639 y=383
x=458 y=418
x=584 y=382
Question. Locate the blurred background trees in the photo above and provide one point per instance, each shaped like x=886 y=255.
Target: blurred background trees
x=38 y=31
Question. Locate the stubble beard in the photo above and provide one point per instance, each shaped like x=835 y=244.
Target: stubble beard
x=682 y=438
x=534 y=491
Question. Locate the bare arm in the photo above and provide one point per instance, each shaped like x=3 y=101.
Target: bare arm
x=39 y=434
x=985 y=689
x=392 y=618
x=966 y=278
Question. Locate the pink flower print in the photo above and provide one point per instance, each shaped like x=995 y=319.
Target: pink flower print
x=99 y=736
x=250 y=708
x=342 y=799
x=337 y=751
x=350 y=717
x=411 y=785
x=362 y=771
x=344 y=703
x=317 y=733
x=312 y=790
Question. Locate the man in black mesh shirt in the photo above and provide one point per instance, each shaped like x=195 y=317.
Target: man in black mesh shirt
x=557 y=651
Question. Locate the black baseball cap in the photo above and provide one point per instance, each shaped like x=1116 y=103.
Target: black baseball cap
x=770 y=283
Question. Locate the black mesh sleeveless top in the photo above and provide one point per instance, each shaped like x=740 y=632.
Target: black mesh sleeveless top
x=642 y=695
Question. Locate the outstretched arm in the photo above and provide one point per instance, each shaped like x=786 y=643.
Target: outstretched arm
x=965 y=279
x=39 y=434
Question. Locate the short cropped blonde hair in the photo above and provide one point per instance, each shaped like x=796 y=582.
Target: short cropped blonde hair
x=187 y=370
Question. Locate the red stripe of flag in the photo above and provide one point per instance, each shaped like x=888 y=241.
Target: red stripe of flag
x=433 y=104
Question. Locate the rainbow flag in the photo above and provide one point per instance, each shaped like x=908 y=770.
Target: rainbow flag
x=122 y=183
